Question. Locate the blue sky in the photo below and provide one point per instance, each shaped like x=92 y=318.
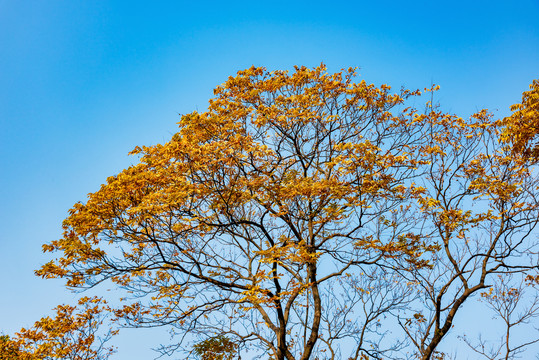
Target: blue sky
x=83 y=82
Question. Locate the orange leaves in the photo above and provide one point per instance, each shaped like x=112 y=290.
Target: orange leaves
x=131 y=311
x=51 y=270
x=304 y=188
x=217 y=348
x=275 y=154
x=283 y=172
x=410 y=247
x=522 y=127
x=10 y=349
x=72 y=334
x=288 y=252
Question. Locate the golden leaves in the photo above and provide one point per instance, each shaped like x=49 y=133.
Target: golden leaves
x=309 y=145
x=282 y=173
x=522 y=127
x=71 y=334
x=287 y=251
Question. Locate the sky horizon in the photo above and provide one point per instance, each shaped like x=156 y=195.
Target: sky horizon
x=83 y=83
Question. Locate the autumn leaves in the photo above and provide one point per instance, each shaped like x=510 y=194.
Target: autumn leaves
x=249 y=218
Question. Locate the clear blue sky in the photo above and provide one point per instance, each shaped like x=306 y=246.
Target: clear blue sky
x=83 y=82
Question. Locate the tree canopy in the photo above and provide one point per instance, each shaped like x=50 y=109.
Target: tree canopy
x=309 y=215
x=73 y=334
x=522 y=127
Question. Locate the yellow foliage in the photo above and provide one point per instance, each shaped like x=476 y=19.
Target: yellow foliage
x=71 y=334
x=284 y=172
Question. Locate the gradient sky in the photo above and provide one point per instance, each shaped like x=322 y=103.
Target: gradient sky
x=83 y=82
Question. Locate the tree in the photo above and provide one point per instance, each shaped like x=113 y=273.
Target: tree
x=217 y=348
x=507 y=300
x=300 y=214
x=73 y=334
x=9 y=350
x=522 y=127
x=480 y=205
